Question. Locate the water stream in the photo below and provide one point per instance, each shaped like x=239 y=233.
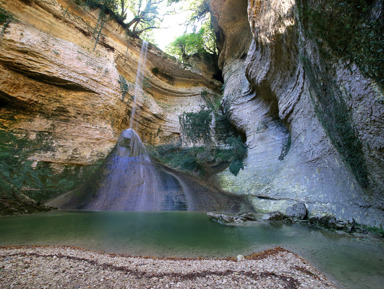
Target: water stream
x=351 y=262
x=139 y=79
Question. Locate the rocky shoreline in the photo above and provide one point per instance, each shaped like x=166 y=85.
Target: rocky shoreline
x=69 y=267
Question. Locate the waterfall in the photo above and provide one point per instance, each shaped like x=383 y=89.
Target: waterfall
x=139 y=79
x=129 y=180
x=132 y=182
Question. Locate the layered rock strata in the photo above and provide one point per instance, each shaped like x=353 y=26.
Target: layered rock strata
x=68 y=89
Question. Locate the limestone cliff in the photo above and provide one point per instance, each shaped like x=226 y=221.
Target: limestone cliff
x=311 y=110
x=65 y=96
x=303 y=80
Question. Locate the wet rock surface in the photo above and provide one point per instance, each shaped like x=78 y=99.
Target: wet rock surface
x=231 y=219
x=276 y=216
x=311 y=121
x=297 y=211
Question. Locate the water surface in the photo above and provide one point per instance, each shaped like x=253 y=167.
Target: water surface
x=352 y=262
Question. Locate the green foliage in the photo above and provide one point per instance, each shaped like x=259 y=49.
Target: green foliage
x=183 y=159
x=124 y=87
x=352 y=29
x=200 y=11
x=201 y=39
x=374 y=230
x=239 y=152
x=238 y=148
x=236 y=166
x=107 y=11
x=196 y=126
x=189 y=44
x=40 y=182
x=5 y=19
x=4 y=16
x=145 y=14
x=195 y=160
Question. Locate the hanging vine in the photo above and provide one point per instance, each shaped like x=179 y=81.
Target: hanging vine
x=196 y=125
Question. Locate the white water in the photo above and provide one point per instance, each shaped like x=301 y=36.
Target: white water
x=139 y=79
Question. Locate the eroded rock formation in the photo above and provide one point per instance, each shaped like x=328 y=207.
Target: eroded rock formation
x=310 y=105
x=69 y=96
x=313 y=123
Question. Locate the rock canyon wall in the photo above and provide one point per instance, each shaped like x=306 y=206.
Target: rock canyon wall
x=65 y=97
x=307 y=95
x=313 y=119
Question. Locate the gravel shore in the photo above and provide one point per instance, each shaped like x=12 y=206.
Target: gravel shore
x=67 y=267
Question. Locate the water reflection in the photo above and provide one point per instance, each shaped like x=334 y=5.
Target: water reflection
x=354 y=263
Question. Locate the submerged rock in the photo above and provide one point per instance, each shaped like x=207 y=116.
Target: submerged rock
x=330 y=222
x=275 y=216
x=231 y=219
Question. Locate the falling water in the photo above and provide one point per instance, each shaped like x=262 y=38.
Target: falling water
x=139 y=78
x=130 y=181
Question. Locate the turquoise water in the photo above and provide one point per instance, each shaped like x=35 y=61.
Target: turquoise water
x=351 y=262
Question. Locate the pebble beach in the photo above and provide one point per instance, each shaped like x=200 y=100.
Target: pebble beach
x=69 y=267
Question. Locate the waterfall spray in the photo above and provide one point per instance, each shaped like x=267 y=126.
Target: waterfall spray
x=139 y=79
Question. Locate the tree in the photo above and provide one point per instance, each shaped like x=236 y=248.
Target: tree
x=201 y=39
x=201 y=42
x=146 y=16
x=123 y=8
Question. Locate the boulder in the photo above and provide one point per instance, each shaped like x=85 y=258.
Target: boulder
x=297 y=211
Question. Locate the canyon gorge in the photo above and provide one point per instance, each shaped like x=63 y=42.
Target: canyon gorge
x=307 y=102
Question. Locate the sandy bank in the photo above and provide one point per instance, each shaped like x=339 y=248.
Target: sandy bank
x=66 y=267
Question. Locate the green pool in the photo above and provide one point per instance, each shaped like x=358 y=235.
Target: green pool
x=351 y=262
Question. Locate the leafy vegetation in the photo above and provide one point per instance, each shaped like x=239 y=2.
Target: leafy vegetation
x=124 y=87
x=5 y=19
x=39 y=182
x=196 y=126
x=140 y=17
x=239 y=151
x=352 y=29
x=4 y=16
x=201 y=40
x=373 y=230
x=205 y=154
x=198 y=160
x=145 y=14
